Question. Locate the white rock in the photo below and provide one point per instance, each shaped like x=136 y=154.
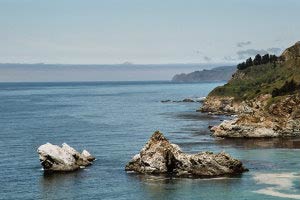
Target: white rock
x=65 y=158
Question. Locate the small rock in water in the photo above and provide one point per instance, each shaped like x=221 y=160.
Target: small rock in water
x=65 y=158
x=159 y=156
x=188 y=100
x=165 y=101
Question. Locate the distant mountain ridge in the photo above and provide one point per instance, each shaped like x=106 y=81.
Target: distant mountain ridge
x=223 y=73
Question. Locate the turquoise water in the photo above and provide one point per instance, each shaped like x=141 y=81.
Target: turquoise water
x=113 y=120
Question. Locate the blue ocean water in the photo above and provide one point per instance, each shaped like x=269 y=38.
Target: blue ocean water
x=113 y=120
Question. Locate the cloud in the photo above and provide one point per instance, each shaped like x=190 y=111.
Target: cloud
x=242 y=54
x=242 y=44
x=229 y=58
x=207 y=59
x=274 y=50
x=250 y=52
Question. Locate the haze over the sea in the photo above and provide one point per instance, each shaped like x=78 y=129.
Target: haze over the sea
x=140 y=32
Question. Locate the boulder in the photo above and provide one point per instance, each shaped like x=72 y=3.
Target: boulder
x=65 y=158
x=159 y=156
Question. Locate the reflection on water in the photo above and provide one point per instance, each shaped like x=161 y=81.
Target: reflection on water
x=52 y=182
x=245 y=143
x=163 y=187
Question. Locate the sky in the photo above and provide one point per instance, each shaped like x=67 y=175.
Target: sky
x=145 y=32
x=140 y=31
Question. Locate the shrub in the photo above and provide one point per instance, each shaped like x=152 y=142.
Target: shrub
x=287 y=88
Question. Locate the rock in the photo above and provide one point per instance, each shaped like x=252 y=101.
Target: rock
x=231 y=129
x=220 y=106
x=256 y=118
x=87 y=155
x=159 y=156
x=65 y=158
x=292 y=52
x=188 y=100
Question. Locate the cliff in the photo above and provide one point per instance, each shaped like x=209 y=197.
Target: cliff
x=213 y=75
x=265 y=98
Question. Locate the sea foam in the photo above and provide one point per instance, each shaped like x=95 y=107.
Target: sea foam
x=279 y=185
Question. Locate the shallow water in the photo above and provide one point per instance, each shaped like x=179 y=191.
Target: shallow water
x=113 y=120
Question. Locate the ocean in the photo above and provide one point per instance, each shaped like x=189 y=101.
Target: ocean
x=113 y=121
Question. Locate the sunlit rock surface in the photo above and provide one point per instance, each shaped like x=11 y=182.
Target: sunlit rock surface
x=159 y=156
x=65 y=158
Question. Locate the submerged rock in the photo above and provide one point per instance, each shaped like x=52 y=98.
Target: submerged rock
x=159 y=156
x=65 y=158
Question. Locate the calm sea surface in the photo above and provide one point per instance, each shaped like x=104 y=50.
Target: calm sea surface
x=113 y=120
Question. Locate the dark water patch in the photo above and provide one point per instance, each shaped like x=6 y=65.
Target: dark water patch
x=195 y=116
x=196 y=143
x=247 y=143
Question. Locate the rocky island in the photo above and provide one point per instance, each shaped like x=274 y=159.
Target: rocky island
x=264 y=94
x=65 y=158
x=161 y=157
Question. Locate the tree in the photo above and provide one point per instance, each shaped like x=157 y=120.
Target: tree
x=265 y=59
x=287 y=88
x=249 y=62
x=241 y=66
x=273 y=58
x=257 y=60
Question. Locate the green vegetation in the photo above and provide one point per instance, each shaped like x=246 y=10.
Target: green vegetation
x=274 y=77
x=258 y=60
x=288 y=88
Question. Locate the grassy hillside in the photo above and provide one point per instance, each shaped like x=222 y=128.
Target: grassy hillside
x=278 y=78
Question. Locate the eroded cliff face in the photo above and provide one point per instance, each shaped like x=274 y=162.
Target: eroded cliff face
x=259 y=117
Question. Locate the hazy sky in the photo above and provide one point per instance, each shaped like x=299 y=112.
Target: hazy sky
x=140 y=31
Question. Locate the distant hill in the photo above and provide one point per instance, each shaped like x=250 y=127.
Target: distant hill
x=217 y=74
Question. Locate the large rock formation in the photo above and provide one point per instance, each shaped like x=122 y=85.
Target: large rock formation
x=279 y=119
x=159 y=156
x=65 y=158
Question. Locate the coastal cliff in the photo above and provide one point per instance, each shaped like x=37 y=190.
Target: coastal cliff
x=264 y=96
x=212 y=75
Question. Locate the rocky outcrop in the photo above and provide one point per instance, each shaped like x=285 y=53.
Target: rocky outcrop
x=292 y=52
x=221 y=106
x=65 y=158
x=186 y=100
x=159 y=156
x=263 y=118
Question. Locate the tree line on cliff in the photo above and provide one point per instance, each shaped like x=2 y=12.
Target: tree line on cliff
x=258 y=60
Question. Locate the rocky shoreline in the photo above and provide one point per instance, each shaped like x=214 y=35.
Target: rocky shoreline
x=264 y=94
x=160 y=157
x=256 y=118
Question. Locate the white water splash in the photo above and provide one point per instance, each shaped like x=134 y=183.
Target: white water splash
x=280 y=185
